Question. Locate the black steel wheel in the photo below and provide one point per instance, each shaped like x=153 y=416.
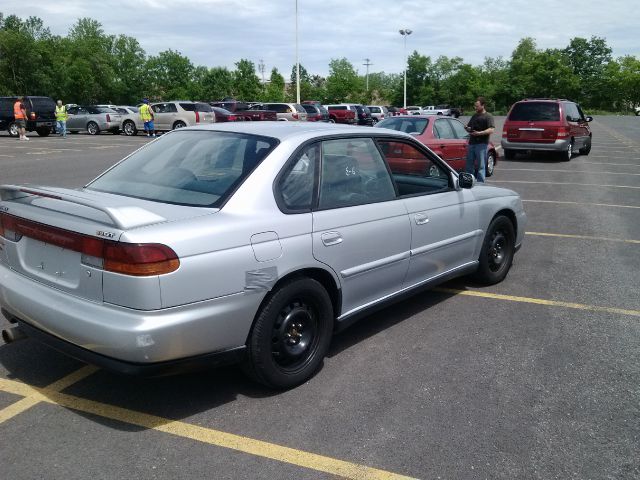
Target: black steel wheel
x=497 y=251
x=587 y=147
x=291 y=334
x=92 y=128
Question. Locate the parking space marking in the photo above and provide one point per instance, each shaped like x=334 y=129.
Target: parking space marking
x=33 y=397
x=582 y=203
x=537 y=170
x=565 y=183
x=615 y=164
x=582 y=237
x=540 y=301
x=197 y=433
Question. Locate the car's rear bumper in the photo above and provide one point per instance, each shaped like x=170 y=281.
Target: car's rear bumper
x=557 y=146
x=126 y=335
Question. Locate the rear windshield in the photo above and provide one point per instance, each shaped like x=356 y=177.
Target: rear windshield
x=133 y=109
x=195 y=168
x=535 y=112
x=42 y=103
x=299 y=108
x=203 y=107
x=405 y=124
x=375 y=109
x=189 y=107
x=309 y=108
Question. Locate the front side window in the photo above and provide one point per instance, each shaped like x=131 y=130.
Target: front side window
x=353 y=173
x=196 y=168
x=413 y=171
x=458 y=129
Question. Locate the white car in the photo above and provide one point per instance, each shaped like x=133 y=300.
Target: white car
x=131 y=122
x=638 y=111
x=247 y=242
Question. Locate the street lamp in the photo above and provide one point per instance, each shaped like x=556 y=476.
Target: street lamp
x=405 y=32
x=297 y=62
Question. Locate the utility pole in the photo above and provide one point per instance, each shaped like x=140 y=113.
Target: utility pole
x=261 y=68
x=367 y=63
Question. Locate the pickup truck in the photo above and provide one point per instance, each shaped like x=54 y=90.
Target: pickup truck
x=437 y=110
x=342 y=114
x=241 y=109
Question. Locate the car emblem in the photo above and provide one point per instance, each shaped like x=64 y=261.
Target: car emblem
x=102 y=233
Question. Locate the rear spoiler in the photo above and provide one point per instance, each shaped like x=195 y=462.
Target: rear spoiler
x=121 y=217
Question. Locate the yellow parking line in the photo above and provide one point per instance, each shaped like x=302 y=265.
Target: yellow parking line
x=582 y=203
x=205 y=435
x=540 y=301
x=583 y=237
x=565 y=183
x=33 y=397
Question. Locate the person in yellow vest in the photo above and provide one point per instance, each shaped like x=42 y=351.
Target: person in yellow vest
x=146 y=115
x=61 y=119
x=20 y=116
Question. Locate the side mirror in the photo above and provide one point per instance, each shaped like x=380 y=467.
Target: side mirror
x=466 y=180
x=589 y=119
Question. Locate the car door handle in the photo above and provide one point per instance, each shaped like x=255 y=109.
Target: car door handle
x=421 y=218
x=331 y=238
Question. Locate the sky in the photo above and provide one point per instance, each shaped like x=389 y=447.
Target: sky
x=221 y=32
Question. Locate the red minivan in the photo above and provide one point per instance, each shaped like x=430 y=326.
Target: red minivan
x=549 y=125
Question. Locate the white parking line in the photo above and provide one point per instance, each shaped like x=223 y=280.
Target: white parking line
x=566 y=183
x=582 y=203
x=537 y=170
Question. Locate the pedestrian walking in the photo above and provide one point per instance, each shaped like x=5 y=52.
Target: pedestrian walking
x=61 y=119
x=480 y=128
x=146 y=115
x=20 y=118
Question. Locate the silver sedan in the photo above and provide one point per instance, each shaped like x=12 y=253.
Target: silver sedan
x=244 y=242
x=93 y=119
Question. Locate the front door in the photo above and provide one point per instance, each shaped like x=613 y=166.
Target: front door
x=445 y=232
x=360 y=228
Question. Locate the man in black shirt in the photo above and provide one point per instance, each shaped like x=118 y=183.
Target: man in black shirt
x=480 y=127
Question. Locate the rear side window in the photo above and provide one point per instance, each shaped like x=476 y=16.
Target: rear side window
x=203 y=107
x=535 y=112
x=189 y=107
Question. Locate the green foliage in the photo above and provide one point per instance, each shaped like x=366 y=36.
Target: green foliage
x=88 y=65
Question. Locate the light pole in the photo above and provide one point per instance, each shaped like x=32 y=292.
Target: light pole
x=297 y=62
x=367 y=64
x=405 y=32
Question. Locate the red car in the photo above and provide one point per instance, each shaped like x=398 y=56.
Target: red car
x=445 y=136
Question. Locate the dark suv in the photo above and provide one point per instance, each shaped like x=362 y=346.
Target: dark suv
x=41 y=115
x=364 y=115
x=549 y=125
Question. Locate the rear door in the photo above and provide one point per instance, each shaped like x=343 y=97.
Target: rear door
x=462 y=137
x=74 y=119
x=446 y=143
x=360 y=229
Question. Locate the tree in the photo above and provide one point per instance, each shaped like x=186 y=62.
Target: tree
x=343 y=83
x=170 y=76
x=588 y=60
x=246 y=82
x=275 y=89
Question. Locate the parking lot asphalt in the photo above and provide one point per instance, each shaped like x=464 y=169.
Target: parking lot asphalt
x=537 y=377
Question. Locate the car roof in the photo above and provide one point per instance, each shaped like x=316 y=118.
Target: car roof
x=287 y=130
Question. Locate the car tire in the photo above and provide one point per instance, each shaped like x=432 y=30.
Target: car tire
x=129 y=128
x=509 y=154
x=291 y=335
x=491 y=164
x=13 y=129
x=567 y=154
x=374 y=121
x=92 y=128
x=179 y=124
x=587 y=148
x=497 y=252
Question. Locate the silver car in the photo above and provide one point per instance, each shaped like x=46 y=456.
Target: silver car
x=178 y=114
x=247 y=242
x=93 y=119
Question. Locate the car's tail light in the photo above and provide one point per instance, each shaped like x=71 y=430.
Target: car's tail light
x=137 y=259
x=108 y=118
x=197 y=117
x=562 y=132
x=32 y=115
x=505 y=133
x=295 y=116
x=232 y=118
